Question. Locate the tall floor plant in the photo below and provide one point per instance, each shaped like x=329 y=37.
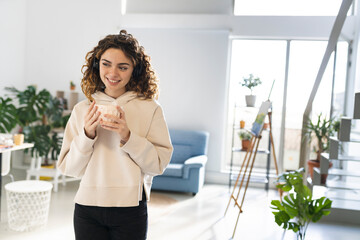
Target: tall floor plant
x=298 y=209
x=38 y=113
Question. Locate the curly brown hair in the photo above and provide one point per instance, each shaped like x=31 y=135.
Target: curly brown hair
x=143 y=80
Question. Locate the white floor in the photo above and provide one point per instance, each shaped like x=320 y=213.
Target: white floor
x=199 y=218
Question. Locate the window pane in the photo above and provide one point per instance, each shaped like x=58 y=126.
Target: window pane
x=305 y=60
x=340 y=79
x=266 y=60
x=288 y=7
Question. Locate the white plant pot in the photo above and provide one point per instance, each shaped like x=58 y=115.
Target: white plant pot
x=250 y=100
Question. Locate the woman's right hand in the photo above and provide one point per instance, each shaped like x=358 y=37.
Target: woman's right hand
x=92 y=120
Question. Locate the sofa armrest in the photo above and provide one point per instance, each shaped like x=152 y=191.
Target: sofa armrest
x=194 y=162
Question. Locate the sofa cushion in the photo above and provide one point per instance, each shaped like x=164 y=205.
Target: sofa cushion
x=174 y=170
x=181 y=153
x=188 y=143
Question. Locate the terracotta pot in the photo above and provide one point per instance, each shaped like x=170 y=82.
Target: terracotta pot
x=316 y=163
x=245 y=144
x=242 y=124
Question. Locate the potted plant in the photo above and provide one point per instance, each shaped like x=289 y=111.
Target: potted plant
x=245 y=138
x=250 y=82
x=38 y=115
x=320 y=130
x=242 y=124
x=8 y=115
x=297 y=209
x=72 y=85
x=336 y=126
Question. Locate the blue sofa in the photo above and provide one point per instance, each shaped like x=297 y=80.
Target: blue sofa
x=186 y=171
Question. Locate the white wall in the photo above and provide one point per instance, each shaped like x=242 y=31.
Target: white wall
x=59 y=34
x=191 y=65
x=12 y=43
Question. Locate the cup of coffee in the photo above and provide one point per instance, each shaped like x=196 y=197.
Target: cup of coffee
x=107 y=109
x=18 y=139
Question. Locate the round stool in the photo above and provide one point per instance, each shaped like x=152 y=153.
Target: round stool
x=28 y=204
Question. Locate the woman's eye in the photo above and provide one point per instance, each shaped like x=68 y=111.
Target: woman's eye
x=106 y=64
x=123 y=68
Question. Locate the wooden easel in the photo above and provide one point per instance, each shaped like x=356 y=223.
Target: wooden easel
x=249 y=158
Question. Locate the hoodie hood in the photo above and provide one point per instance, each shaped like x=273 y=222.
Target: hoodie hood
x=102 y=98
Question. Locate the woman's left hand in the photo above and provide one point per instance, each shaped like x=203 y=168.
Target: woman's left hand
x=117 y=124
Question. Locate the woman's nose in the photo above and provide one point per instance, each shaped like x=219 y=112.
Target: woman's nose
x=114 y=71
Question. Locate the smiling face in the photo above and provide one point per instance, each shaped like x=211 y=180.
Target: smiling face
x=115 y=71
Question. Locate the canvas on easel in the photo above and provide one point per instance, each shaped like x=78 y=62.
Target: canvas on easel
x=260 y=118
x=249 y=159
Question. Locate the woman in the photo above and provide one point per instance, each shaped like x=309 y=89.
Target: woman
x=116 y=155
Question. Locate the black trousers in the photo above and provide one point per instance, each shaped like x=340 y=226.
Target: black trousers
x=112 y=223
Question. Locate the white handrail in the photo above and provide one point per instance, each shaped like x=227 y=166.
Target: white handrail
x=333 y=39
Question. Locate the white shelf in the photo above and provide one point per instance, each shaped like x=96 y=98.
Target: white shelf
x=264 y=151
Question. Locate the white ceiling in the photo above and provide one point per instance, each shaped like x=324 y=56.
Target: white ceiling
x=177 y=6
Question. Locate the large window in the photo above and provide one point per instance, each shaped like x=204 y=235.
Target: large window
x=263 y=59
x=267 y=60
x=288 y=7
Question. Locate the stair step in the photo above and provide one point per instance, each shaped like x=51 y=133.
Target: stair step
x=357 y=106
x=345 y=204
x=342 y=172
x=342 y=185
x=338 y=172
x=338 y=194
x=342 y=194
x=353 y=137
x=334 y=148
x=342 y=158
x=345 y=129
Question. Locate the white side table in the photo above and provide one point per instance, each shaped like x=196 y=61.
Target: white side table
x=28 y=204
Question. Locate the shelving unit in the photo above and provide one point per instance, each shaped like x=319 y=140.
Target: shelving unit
x=259 y=174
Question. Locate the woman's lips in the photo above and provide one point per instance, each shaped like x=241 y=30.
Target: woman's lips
x=113 y=81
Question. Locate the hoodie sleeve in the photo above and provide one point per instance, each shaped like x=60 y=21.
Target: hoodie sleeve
x=153 y=152
x=76 y=148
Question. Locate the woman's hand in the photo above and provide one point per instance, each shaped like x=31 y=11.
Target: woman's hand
x=92 y=119
x=117 y=124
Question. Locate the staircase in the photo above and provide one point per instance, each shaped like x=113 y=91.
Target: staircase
x=343 y=179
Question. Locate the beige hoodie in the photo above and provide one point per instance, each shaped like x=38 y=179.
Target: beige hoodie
x=111 y=174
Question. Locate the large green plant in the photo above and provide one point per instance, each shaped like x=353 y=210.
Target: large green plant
x=8 y=116
x=322 y=129
x=32 y=105
x=39 y=113
x=298 y=209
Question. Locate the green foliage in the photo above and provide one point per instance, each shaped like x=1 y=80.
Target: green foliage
x=244 y=135
x=250 y=82
x=298 y=209
x=322 y=129
x=8 y=115
x=40 y=136
x=32 y=105
x=38 y=114
x=336 y=124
